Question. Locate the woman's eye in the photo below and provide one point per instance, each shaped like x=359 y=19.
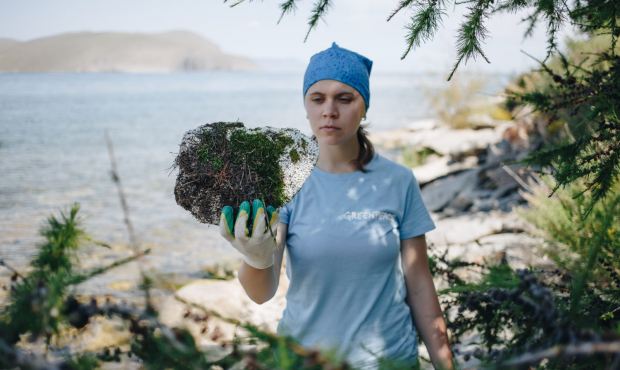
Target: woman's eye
x=317 y=100
x=345 y=100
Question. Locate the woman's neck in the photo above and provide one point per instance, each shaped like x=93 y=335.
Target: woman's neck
x=338 y=158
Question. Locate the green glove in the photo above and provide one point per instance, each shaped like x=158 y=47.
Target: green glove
x=258 y=244
x=228 y=213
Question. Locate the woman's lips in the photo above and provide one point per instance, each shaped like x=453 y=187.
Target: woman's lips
x=329 y=128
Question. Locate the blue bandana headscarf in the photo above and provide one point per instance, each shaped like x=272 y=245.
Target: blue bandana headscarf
x=342 y=65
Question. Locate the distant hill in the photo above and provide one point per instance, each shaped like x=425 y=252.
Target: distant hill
x=118 y=51
x=7 y=43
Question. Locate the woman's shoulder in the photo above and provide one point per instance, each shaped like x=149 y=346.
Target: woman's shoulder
x=388 y=167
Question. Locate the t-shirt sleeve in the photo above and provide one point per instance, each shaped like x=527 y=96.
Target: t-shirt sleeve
x=284 y=213
x=416 y=219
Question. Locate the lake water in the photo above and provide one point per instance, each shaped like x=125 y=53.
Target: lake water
x=53 y=151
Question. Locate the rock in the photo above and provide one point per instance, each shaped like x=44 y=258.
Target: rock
x=484 y=205
x=497 y=178
x=498 y=152
x=457 y=142
x=442 y=166
x=227 y=298
x=225 y=163
x=507 y=203
x=423 y=125
x=462 y=201
x=481 y=120
x=521 y=249
x=443 y=140
x=467 y=228
x=440 y=192
x=397 y=138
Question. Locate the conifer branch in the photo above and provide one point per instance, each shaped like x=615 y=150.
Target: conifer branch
x=471 y=33
x=533 y=19
x=403 y=4
x=424 y=24
x=511 y=6
x=319 y=10
x=97 y=242
x=287 y=7
x=235 y=3
x=553 y=11
x=77 y=279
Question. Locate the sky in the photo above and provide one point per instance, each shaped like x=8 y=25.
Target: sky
x=250 y=29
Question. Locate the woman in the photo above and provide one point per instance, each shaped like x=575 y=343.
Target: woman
x=357 y=262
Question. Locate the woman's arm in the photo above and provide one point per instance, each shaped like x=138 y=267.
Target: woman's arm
x=261 y=284
x=422 y=298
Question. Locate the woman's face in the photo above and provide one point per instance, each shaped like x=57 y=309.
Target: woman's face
x=335 y=111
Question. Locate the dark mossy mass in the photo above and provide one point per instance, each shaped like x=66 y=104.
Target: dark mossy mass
x=225 y=163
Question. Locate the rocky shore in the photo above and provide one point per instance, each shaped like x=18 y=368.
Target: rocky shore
x=469 y=184
x=471 y=187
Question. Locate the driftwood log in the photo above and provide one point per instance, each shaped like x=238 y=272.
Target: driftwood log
x=226 y=163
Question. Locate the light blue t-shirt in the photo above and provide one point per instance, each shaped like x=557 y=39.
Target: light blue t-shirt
x=347 y=288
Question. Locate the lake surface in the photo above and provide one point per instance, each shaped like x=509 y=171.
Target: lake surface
x=53 y=152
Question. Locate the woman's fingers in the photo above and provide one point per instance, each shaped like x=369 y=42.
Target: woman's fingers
x=241 y=228
x=273 y=223
x=264 y=218
x=226 y=223
x=274 y=215
x=261 y=218
x=258 y=217
x=259 y=227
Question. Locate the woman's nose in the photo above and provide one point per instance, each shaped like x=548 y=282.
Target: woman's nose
x=330 y=109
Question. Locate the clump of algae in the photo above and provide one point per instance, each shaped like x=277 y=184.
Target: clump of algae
x=225 y=163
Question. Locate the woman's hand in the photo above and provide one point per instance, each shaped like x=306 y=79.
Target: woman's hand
x=259 y=245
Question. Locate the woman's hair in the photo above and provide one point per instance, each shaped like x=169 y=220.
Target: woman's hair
x=367 y=150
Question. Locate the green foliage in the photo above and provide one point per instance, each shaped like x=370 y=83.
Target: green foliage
x=497 y=276
x=588 y=247
x=459 y=104
x=287 y=7
x=82 y=362
x=61 y=240
x=581 y=52
x=472 y=32
x=427 y=16
x=319 y=9
x=261 y=154
x=253 y=153
x=43 y=304
x=592 y=150
x=36 y=301
x=517 y=322
x=518 y=313
x=294 y=155
x=424 y=22
x=586 y=91
x=412 y=157
x=216 y=163
x=40 y=304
